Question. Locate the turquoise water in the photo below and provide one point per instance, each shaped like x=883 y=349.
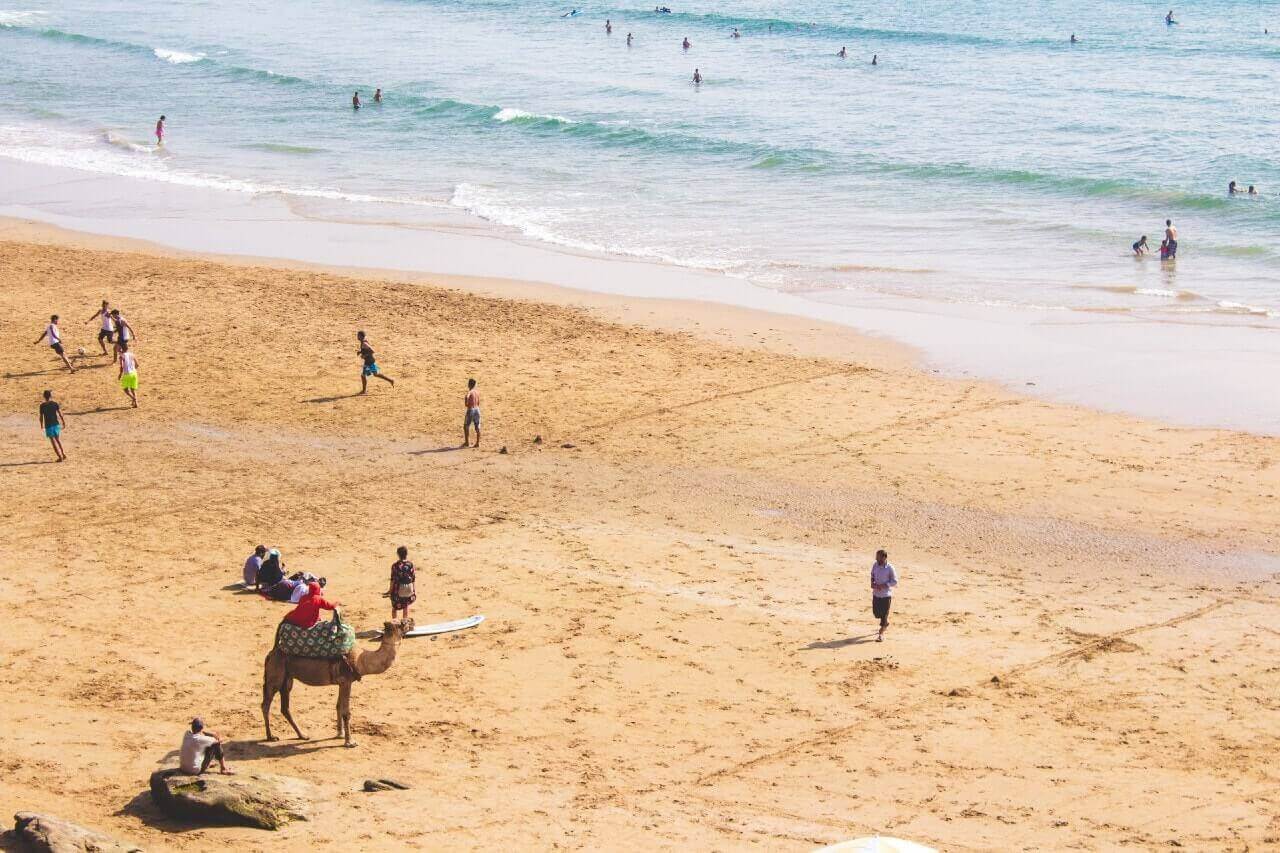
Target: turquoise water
x=983 y=160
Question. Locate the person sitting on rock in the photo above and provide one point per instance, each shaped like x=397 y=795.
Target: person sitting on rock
x=200 y=748
x=307 y=613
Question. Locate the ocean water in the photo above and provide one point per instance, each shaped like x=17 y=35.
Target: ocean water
x=983 y=161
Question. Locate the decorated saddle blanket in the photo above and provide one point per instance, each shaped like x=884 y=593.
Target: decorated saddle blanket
x=322 y=640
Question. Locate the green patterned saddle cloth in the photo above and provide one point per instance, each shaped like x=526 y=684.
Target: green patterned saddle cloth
x=322 y=640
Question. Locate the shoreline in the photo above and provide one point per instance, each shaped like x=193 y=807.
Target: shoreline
x=1095 y=360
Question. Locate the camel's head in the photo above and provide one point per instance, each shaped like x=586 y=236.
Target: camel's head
x=397 y=628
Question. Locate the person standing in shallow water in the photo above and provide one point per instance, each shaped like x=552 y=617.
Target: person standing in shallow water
x=697 y=76
x=1171 y=237
x=160 y=132
x=355 y=101
x=883 y=580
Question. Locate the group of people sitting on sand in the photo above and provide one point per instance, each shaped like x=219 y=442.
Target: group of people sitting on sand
x=264 y=573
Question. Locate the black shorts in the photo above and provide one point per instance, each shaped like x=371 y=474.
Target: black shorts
x=106 y=335
x=880 y=608
x=56 y=348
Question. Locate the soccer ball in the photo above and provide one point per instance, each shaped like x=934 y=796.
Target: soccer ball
x=80 y=352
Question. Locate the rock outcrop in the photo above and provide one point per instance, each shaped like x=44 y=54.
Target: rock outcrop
x=248 y=799
x=48 y=834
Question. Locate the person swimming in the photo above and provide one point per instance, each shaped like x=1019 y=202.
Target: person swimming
x=377 y=96
x=1231 y=188
x=1074 y=40
x=608 y=27
x=1252 y=191
x=1168 y=19
x=628 y=39
x=355 y=101
x=875 y=59
x=687 y=44
x=842 y=53
x=736 y=34
x=697 y=76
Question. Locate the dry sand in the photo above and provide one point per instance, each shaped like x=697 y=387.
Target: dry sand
x=675 y=580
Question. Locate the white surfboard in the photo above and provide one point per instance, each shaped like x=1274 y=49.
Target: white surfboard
x=877 y=844
x=446 y=627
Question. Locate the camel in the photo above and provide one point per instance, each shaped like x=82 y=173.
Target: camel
x=279 y=671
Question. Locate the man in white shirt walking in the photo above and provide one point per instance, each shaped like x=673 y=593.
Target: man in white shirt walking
x=883 y=580
x=200 y=748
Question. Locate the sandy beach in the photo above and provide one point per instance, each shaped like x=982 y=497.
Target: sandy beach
x=677 y=648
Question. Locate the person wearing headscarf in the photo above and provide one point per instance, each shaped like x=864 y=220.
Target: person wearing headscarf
x=307 y=611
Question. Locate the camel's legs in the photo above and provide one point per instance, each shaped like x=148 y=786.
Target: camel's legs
x=344 y=712
x=268 y=696
x=285 y=689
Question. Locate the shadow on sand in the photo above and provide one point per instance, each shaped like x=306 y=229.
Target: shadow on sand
x=840 y=644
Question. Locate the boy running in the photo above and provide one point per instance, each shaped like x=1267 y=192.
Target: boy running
x=370 y=367
x=106 y=334
x=129 y=373
x=52 y=421
x=55 y=341
x=124 y=332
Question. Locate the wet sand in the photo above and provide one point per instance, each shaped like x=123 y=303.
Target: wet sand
x=676 y=652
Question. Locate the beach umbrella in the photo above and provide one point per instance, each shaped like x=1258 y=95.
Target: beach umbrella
x=877 y=844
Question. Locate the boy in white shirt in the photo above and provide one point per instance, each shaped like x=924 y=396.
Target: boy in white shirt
x=129 y=372
x=55 y=341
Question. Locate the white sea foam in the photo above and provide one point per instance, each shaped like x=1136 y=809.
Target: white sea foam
x=177 y=57
x=110 y=153
x=17 y=17
x=511 y=114
x=1156 y=291
x=1242 y=308
x=494 y=206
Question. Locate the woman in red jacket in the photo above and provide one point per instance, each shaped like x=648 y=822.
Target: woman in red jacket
x=307 y=613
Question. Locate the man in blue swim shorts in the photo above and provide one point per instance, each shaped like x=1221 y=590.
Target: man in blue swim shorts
x=52 y=421
x=472 y=418
x=370 y=364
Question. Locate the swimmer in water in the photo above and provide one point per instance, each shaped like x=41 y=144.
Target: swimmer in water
x=628 y=39
x=1074 y=40
x=1140 y=247
x=842 y=53
x=1252 y=191
x=1231 y=188
x=377 y=96
x=736 y=34
x=1168 y=19
x=160 y=131
x=355 y=101
x=687 y=44
x=608 y=27
x=697 y=76
x=875 y=59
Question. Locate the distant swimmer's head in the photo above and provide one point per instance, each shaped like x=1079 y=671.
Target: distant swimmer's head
x=1231 y=187
x=1252 y=191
